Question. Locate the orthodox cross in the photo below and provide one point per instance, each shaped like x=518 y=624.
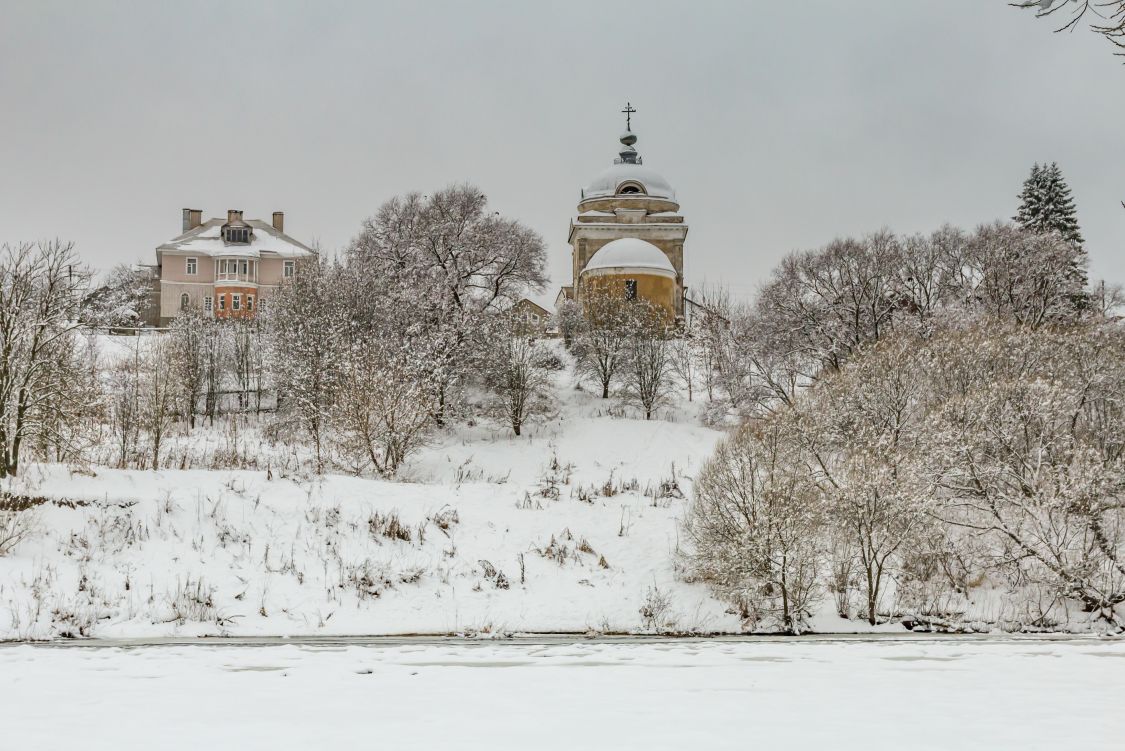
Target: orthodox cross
x=628 y=112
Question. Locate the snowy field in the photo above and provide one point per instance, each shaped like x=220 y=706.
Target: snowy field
x=990 y=693
x=568 y=528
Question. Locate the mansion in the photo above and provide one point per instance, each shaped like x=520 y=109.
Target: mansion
x=224 y=268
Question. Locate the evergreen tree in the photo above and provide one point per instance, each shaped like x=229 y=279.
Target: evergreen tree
x=1046 y=207
x=1046 y=204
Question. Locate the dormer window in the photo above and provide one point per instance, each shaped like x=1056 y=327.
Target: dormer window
x=629 y=189
x=237 y=235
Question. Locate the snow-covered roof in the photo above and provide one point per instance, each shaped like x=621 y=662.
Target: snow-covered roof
x=207 y=239
x=630 y=253
x=606 y=184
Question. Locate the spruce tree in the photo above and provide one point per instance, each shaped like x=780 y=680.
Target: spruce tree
x=1046 y=204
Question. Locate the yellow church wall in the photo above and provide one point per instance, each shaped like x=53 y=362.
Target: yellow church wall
x=658 y=290
x=585 y=245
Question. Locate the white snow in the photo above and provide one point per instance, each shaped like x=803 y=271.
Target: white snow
x=963 y=694
x=632 y=253
x=207 y=240
x=606 y=183
x=130 y=553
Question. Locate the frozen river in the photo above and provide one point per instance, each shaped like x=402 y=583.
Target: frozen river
x=823 y=693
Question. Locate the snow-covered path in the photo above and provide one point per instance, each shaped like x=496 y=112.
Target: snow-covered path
x=815 y=694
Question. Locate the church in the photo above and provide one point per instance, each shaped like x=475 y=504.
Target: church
x=628 y=237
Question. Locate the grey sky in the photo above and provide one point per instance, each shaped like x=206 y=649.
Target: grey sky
x=780 y=124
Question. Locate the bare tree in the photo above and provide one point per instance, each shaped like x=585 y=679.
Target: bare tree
x=1023 y=277
x=754 y=525
x=385 y=403
x=41 y=291
x=187 y=336
x=246 y=360
x=158 y=396
x=570 y=321
x=305 y=326
x=215 y=352
x=518 y=377
x=125 y=404
x=455 y=263
x=862 y=429
x=1027 y=442
x=685 y=354
x=600 y=347
x=1110 y=15
x=648 y=357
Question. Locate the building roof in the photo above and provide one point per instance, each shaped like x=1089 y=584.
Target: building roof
x=207 y=239
x=630 y=253
x=607 y=183
x=524 y=302
x=628 y=167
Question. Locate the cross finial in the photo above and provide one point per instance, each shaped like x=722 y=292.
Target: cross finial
x=628 y=112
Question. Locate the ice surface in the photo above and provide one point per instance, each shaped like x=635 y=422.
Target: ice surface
x=794 y=694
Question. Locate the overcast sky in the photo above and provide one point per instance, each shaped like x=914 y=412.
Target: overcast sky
x=780 y=124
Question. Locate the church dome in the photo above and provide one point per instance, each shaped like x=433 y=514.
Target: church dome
x=630 y=253
x=619 y=178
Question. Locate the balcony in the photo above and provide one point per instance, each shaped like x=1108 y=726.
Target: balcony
x=236 y=271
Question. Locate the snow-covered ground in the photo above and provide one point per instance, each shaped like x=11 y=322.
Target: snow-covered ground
x=571 y=527
x=961 y=694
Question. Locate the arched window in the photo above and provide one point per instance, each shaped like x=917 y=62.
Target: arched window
x=630 y=187
x=184 y=301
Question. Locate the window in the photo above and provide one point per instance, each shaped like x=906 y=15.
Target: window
x=207 y=304
x=222 y=302
x=250 y=302
x=288 y=269
x=628 y=189
x=238 y=234
x=192 y=266
x=244 y=268
x=630 y=289
x=184 y=301
x=236 y=302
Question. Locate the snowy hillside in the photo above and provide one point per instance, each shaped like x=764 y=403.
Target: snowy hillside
x=571 y=528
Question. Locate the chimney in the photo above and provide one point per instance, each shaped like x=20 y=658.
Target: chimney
x=279 y=221
x=192 y=218
x=233 y=215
